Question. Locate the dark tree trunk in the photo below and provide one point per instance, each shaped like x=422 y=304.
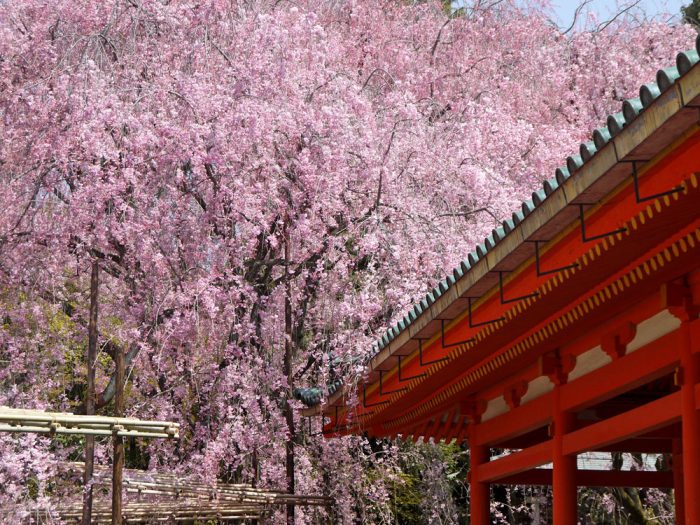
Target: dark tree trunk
x=118 y=457
x=90 y=394
x=288 y=372
x=256 y=467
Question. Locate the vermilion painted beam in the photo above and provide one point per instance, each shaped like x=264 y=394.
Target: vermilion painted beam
x=597 y=436
x=650 y=362
x=516 y=422
x=596 y=478
x=658 y=442
x=632 y=423
x=515 y=463
x=647 y=363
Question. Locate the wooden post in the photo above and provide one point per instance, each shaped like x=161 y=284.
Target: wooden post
x=118 y=456
x=564 y=486
x=479 y=504
x=681 y=300
x=565 y=506
x=90 y=394
x=678 y=492
x=690 y=428
x=480 y=493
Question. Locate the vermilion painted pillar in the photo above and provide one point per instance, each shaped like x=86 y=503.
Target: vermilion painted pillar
x=678 y=493
x=479 y=492
x=564 y=485
x=691 y=428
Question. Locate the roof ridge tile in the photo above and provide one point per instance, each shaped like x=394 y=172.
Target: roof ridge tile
x=686 y=60
x=616 y=123
x=631 y=108
x=666 y=77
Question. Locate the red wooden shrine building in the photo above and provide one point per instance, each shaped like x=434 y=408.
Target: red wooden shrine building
x=573 y=328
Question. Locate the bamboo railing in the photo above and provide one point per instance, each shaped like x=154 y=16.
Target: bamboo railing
x=40 y=422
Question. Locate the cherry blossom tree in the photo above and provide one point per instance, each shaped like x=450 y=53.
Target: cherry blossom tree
x=264 y=185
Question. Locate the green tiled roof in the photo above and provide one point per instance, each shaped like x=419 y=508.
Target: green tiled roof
x=313 y=396
x=665 y=78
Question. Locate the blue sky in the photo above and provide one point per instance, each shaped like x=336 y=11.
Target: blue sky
x=604 y=9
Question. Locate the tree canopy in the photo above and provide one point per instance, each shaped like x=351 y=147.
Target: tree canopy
x=265 y=186
x=691 y=13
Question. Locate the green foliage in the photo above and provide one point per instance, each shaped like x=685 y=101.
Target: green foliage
x=417 y=489
x=32 y=488
x=136 y=454
x=407 y=498
x=447 y=5
x=691 y=13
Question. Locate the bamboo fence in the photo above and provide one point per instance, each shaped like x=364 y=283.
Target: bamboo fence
x=143 y=482
x=160 y=497
x=167 y=511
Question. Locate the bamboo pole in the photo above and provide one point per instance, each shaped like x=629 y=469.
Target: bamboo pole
x=81 y=430
x=90 y=394
x=38 y=421
x=118 y=457
x=9 y=415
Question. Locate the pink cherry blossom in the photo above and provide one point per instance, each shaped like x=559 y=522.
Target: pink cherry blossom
x=185 y=145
